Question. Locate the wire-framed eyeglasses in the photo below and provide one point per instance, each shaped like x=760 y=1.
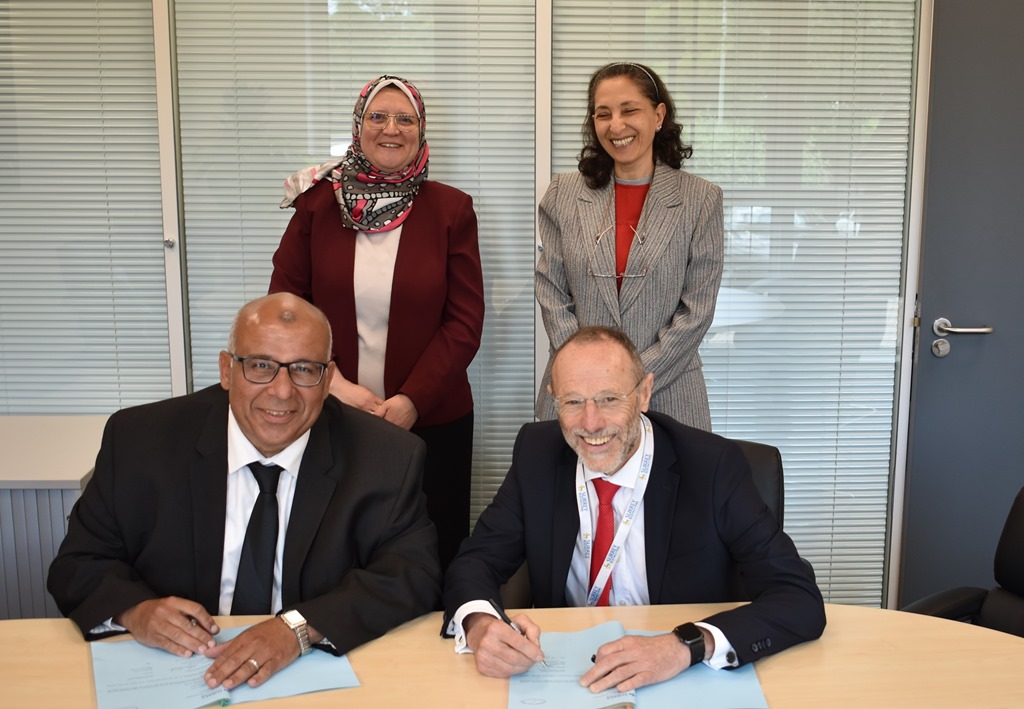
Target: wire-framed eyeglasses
x=262 y=370
x=640 y=243
x=605 y=401
x=405 y=121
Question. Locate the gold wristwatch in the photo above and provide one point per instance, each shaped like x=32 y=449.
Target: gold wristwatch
x=295 y=621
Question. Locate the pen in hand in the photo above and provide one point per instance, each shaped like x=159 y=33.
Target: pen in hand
x=508 y=621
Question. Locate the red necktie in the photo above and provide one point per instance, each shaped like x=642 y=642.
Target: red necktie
x=604 y=534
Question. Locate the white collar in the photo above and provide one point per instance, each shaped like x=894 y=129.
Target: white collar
x=241 y=451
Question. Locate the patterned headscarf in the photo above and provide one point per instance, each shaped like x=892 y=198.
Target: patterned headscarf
x=370 y=200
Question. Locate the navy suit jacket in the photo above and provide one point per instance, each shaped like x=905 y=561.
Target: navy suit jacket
x=709 y=537
x=360 y=554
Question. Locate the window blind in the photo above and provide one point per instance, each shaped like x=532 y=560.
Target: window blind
x=83 y=310
x=266 y=88
x=801 y=112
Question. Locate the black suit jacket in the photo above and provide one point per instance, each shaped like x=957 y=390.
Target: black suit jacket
x=709 y=537
x=360 y=554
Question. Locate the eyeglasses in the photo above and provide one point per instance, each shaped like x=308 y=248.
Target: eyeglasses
x=405 y=121
x=640 y=244
x=605 y=401
x=262 y=370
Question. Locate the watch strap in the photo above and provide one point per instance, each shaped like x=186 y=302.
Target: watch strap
x=295 y=621
x=692 y=637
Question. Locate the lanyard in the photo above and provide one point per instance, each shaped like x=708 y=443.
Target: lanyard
x=632 y=509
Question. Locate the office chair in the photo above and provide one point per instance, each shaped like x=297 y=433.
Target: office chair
x=1000 y=608
x=765 y=465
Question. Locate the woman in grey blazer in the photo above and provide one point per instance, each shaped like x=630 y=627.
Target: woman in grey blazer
x=632 y=241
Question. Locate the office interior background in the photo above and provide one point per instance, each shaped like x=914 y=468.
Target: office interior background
x=145 y=143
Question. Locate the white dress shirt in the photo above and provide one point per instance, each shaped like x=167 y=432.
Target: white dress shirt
x=241 y=497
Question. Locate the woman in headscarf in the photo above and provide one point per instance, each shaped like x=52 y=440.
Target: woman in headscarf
x=634 y=242
x=393 y=261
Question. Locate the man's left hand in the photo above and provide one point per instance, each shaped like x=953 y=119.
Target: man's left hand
x=272 y=645
x=635 y=661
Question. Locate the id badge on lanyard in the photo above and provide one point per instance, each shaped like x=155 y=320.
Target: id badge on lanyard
x=632 y=509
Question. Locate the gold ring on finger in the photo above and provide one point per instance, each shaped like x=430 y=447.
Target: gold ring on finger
x=255 y=665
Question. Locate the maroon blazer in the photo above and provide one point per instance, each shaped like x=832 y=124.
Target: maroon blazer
x=437 y=299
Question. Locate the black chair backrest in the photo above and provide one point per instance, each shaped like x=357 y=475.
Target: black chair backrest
x=766 y=466
x=1003 y=606
x=1009 y=561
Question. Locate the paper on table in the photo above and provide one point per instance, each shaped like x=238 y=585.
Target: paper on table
x=568 y=657
x=701 y=687
x=129 y=674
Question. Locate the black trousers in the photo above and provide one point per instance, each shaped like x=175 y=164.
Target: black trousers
x=447 y=480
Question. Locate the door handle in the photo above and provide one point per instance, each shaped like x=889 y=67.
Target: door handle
x=943 y=327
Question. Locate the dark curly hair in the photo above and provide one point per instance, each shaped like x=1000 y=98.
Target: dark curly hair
x=597 y=165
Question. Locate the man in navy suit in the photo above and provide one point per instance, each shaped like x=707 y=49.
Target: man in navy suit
x=689 y=526
x=155 y=542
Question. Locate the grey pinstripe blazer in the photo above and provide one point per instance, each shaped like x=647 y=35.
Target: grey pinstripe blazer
x=666 y=311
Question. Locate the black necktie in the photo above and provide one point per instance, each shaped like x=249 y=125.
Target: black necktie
x=254 y=583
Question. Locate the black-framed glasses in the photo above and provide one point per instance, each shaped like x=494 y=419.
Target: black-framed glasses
x=262 y=370
x=605 y=401
x=404 y=121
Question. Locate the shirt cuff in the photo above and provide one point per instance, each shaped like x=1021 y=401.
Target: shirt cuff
x=725 y=655
x=108 y=626
x=455 y=624
x=327 y=645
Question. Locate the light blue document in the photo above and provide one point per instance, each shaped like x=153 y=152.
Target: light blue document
x=129 y=674
x=701 y=687
x=568 y=658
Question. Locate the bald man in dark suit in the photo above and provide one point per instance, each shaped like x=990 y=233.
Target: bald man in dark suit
x=154 y=544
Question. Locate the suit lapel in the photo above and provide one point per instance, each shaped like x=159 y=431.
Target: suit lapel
x=314 y=488
x=659 y=511
x=597 y=231
x=658 y=223
x=565 y=526
x=208 y=482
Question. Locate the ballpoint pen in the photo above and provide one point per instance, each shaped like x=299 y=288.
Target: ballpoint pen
x=508 y=621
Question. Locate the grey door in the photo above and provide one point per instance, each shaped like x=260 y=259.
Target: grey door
x=966 y=454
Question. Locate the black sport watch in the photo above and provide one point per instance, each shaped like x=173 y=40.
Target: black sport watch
x=690 y=636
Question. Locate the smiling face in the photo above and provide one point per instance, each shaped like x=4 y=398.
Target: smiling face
x=284 y=328
x=625 y=122
x=389 y=149
x=603 y=438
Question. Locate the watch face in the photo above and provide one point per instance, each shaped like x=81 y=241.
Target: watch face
x=293 y=618
x=689 y=633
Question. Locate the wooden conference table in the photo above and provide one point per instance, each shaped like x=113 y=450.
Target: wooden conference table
x=867 y=658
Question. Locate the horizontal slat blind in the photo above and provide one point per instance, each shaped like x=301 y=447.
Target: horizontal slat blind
x=83 y=309
x=267 y=87
x=801 y=112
